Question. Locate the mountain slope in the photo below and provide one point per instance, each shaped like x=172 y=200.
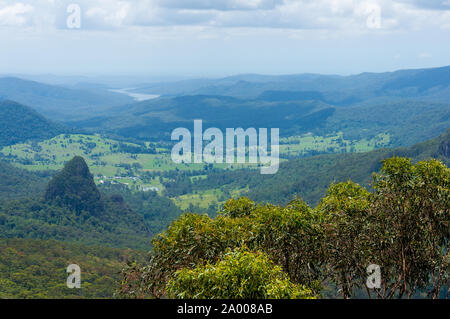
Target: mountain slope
x=407 y=121
x=74 y=187
x=431 y=84
x=19 y=123
x=58 y=102
x=409 y=105
x=37 y=269
x=74 y=210
x=157 y=118
x=17 y=183
x=309 y=178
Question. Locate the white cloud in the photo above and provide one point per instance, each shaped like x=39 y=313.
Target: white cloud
x=348 y=15
x=429 y=4
x=15 y=14
x=221 y=5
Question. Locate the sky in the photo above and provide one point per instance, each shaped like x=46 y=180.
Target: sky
x=212 y=38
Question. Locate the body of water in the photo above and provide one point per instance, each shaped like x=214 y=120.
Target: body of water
x=137 y=96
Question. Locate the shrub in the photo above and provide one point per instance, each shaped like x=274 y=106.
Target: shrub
x=240 y=274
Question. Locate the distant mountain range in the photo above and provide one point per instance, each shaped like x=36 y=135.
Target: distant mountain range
x=409 y=105
x=429 y=84
x=58 y=102
x=155 y=119
x=407 y=121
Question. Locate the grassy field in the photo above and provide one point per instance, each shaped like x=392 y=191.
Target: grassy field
x=103 y=155
x=309 y=144
x=106 y=158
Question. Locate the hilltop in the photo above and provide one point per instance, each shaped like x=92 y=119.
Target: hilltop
x=19 y=123
x=74 y=187
x=430 y=84
x=58 y=102
x=74 y=210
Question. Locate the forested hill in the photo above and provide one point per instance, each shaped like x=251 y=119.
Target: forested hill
x=37 y=269
x=155 y=119
x=407 y=120
x=431 y=84
x=19 y=123
x=309 y=178
x=74 y=188
x=74 y=210
x=57 y=102
x=18 y=183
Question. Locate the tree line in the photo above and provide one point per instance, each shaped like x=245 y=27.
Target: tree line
x=253 y=250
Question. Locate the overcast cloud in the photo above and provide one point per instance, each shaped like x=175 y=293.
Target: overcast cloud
x=156 y=27
x=296 y=14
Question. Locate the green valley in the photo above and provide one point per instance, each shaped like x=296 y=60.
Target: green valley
x=363 y=178
x=309 y=144
x=138 y=166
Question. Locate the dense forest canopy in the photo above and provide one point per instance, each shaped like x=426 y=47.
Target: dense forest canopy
x=19 y=123
x=403 y=228
x=37 y=269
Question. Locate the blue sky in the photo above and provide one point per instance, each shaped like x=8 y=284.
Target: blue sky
x=198 y=38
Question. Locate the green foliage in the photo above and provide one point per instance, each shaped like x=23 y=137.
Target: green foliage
x=289 y=235
x=345 y=209
x=240 y=207
x=37 y=269
x=240 y=274
x=189 y=241
x=410 y=228
x=19 y=123
x=158 y=211
x=292 y=236
x=73 y=209
x=16 y=183
x=402 y=227
x=74 y=188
